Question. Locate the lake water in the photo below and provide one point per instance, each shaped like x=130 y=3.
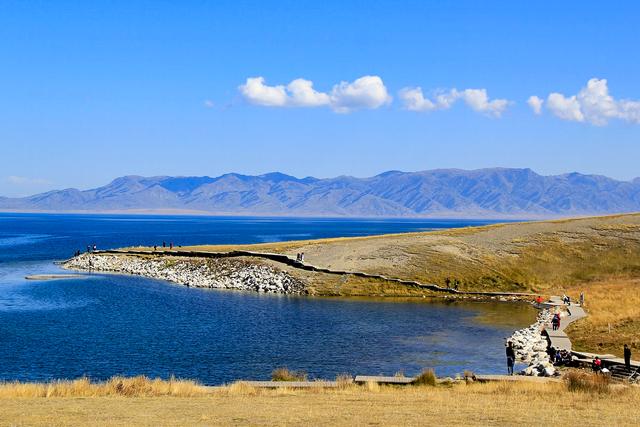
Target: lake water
x=105 y=325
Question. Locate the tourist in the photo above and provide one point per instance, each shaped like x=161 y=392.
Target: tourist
x=558 y=358
x=164 y=244
x=88 y=249
x=555 y=322
x=155 y=248
x=298 y=257
x=170 y=245
x=301 y=256
x=596 y=365
x=627 y=357
x=581 y=299
x=95 y=248
x=511 y=358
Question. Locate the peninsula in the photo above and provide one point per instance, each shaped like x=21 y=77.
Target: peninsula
x=599 y=256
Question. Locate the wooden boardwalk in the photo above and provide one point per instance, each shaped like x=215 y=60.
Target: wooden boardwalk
x=558 y=339
x=293 y=384
x=383 y=380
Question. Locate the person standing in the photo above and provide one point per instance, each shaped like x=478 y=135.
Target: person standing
x=511 y=358
x=627 y=357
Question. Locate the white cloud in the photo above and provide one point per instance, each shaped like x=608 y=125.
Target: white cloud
x=256 y=92
x=593 y=104
x=536 y=104
x=208 y=103
x=477 y=99
x=565 y=108
x=414 y=100
x=304 y=95
x=365 y=92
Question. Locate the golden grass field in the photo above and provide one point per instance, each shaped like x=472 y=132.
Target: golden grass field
x=613 y=306
x=141 y=403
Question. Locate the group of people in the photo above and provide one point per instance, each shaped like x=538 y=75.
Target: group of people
x=451 y=284
x=164 y=245
x=598 y=367
x=90 y=248
x=559 y=357
x=300 y=257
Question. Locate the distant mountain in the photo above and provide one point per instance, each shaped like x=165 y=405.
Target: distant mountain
x=496 y=192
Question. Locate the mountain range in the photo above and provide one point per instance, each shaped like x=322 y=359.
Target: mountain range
x=490 y=193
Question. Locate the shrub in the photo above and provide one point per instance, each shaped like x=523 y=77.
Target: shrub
x=587 y=382
x=284 y=374
x=427 y=377
x=344 y=380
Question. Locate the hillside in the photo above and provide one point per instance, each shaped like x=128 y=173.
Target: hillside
x=495 y=193
x=532 y=256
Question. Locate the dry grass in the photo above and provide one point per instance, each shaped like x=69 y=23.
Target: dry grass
x=613 y=319
x=285 y=374
x=117 y=386
x=427 y=377
x=585 y=382
x=460 y=404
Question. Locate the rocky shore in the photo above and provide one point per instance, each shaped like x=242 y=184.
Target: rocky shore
x=531 y=347
x=210 y=273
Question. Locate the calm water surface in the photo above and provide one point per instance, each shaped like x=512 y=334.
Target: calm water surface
x=105 y=325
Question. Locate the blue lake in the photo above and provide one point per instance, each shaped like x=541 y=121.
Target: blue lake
x=105 y=325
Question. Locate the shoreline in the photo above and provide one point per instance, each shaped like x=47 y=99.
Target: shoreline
x=193 y=272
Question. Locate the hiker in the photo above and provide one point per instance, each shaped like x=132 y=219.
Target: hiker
x=581 y=299
x=164 y=244
x=88 y=249
x=511 y=358
x=301 y=256
x=298 y=257
x=170 y=245
x=627 y=357
x=596 y=365
x=155 y=248
x=95 y=248
x=539 y=300
x=555 y=322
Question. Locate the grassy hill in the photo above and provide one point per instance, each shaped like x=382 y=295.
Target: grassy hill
x=545 y=256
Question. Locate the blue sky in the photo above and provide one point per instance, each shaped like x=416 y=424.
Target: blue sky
x=94 y=90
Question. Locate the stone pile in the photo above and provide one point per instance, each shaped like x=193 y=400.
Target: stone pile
x=197 y=272
x=531 y=347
